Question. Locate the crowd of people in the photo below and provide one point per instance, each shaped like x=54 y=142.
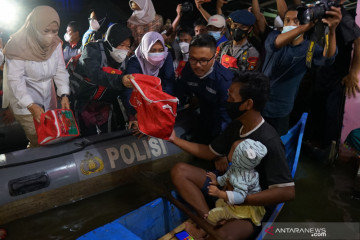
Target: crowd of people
x=238 y=74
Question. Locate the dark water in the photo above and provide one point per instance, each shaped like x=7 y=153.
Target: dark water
x=323 y=194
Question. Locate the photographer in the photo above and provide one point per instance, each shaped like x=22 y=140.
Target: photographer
x=285 y=64
x=333 y=82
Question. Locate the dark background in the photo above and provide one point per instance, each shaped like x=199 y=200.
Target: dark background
x=119 y=10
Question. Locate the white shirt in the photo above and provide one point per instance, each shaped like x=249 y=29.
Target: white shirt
x=31 y=82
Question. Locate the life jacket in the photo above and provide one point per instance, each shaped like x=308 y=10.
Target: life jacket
x=235 y=62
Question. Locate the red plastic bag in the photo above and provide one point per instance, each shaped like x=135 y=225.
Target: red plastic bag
x=60 y=127
x=156 y=110
x=229 y=61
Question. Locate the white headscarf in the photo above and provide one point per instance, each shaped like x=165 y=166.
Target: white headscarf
x=145 y=15
x=142 y=53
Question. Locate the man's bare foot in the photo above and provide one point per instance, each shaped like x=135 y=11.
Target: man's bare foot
x=194 y=231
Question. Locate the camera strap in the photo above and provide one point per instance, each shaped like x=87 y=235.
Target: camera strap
x=320 y=34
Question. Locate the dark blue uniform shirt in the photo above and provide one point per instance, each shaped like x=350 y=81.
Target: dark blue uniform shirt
x=212 y=94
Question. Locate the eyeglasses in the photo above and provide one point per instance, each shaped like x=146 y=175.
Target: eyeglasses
x=203 y=62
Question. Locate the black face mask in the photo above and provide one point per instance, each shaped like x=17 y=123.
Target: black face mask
x=232 y=109
x=238 y=34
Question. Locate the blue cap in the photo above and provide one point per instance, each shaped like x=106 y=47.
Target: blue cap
x=243 y=17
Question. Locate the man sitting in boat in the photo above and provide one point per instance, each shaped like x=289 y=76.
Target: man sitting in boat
x=208 y=81
x=247 y=96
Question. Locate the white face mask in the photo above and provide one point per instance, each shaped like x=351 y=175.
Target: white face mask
x=67 y=37
x=94 y=24
x=184 y=46
x=45 y=39
x=156 y=58
x=119 y=55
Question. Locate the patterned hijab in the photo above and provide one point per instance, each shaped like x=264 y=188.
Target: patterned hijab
x=142 y=53
x=145 y=15
x=25 y=43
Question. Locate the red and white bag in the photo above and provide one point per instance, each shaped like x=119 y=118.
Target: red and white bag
x=156 y=110
x=60 y=127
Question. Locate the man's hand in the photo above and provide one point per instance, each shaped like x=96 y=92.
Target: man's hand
x=178 y=9
x=126 y=80
x=221 y=164
x=334 y=18
x=65 y=103
x=133 y=125
x=214 y=191
x=212 y=177
x=351 y=83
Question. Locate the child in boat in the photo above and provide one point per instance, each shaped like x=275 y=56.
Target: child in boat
x=245 y=155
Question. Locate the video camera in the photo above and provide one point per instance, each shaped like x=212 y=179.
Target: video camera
x=317 y=12
x=187 y=7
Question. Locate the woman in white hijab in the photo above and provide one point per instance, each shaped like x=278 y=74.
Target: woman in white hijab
x=144 y=19
x=152 y=58
x=34 y=61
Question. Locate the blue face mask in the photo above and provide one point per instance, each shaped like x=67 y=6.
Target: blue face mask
x=288 y=29
x=216 y=35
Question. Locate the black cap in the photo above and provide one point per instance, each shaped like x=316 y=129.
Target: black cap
x=117 y=33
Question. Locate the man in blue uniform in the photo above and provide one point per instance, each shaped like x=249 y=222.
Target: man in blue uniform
x=209 y=82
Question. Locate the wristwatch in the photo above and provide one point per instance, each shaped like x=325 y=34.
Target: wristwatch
x=64 y=95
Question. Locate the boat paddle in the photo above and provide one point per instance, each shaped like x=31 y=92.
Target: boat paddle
x=159 y=188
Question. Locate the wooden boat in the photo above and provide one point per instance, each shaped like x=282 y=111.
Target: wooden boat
x=34 y=180
x=159 y=217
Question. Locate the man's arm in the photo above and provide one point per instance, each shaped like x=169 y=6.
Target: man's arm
x=286 y=38
x=203 y=12
x=178 y=17
x=198 y=150
x=270 y=196
x=281 y=8
x=219 y=5
x=332 y=21
x=260 y=24
x=351 y=81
